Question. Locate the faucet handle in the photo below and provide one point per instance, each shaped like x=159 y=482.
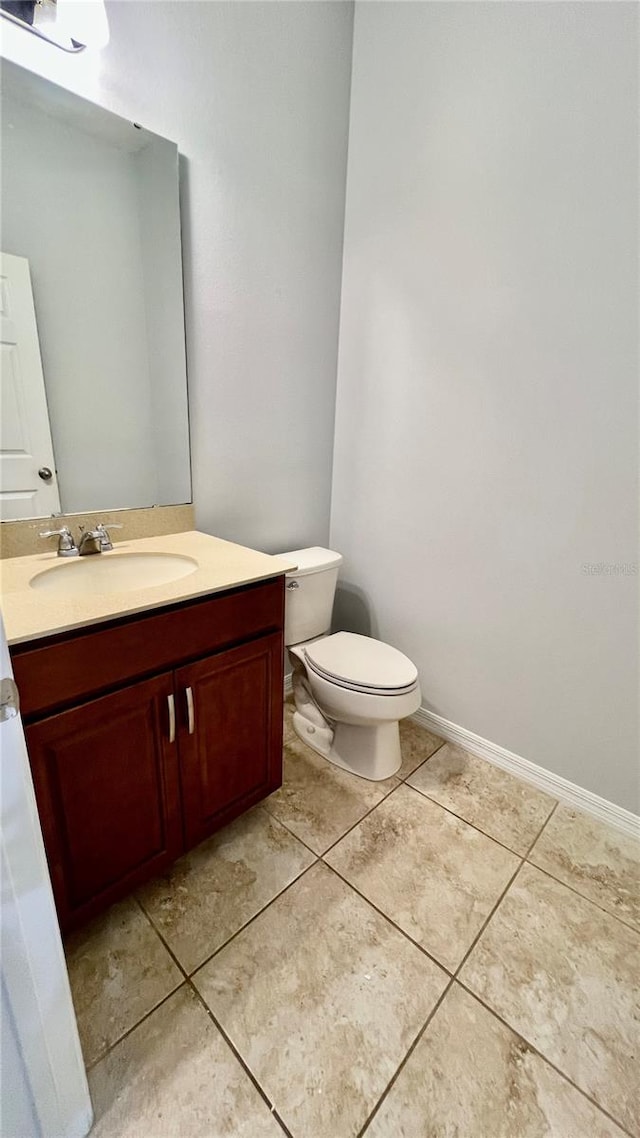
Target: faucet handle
x=103 y=533
x=66 y=545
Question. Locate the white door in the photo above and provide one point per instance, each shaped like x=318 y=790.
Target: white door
x=43 y=1086
x=28 y=482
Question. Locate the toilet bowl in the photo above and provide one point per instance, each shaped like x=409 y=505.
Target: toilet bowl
x=350 y=691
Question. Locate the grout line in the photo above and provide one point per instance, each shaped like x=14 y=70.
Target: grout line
x=451 y=978
x=234 y=1050
x=89 y=1066
x=536 y=1051
x=495 y=908
x=165 y=998
x=407 y=936
x=422 y=761
x=190 y=983
x=187 y=982
x=359 y=820
x=542 y=828
x=412 y=1048
x=583 y=897
x=156 y=930
x=399 y=782
x=566 y=884
x=356 y=823
x=251 y=920
x=542 y=779
x=404 y=782
x=541 y=831
x=130 y=1030
x=474 y=826
x=264 y=806
x=248 y=922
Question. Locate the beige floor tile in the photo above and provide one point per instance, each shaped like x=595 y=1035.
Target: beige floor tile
x=471 y=1076
x=491 y=799
x=318 y=801
x=564 y=975
x=322 y=997
x=417 y=744
x=215 y=889
x=119 y=970
x=175 y=1077
x=432 y=874
x=594 y=859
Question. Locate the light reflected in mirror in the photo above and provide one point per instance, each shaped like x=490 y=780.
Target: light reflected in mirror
x=94 y=398
x=69 y=24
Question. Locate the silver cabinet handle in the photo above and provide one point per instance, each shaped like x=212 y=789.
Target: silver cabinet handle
x=171 y=704
x=191 y=715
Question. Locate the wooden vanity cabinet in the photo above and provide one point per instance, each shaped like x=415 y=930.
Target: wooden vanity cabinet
x=147 y=735
x=107 y=786
x=230 y=735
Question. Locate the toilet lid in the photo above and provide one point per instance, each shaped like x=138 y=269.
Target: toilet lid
x=362 y=662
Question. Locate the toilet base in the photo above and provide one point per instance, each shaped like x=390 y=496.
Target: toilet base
x=369 y=751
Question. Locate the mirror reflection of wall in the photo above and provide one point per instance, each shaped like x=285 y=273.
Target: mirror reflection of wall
x=91 y=202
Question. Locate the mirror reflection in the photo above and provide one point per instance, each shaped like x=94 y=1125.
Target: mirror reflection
x=94 y=398
x=65 y=23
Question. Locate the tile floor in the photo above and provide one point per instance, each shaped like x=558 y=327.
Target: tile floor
x=448 y=953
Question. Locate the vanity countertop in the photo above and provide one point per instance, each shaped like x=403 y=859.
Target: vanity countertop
x=30 y=614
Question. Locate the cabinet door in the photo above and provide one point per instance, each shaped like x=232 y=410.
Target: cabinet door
x=230 y=733
x=106 y=781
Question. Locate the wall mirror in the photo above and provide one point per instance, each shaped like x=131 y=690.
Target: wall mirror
x=94 y=394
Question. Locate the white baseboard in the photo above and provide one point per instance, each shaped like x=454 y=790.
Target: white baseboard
x=550 y=783
x=542 y=779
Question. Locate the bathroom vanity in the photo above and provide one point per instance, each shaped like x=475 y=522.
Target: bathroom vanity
x=149 y=674
x=149 y=730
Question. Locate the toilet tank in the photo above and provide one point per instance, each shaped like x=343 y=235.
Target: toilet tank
x=309 y=593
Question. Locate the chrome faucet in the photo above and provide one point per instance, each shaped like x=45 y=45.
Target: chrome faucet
x=95 y=540
x=66 y=545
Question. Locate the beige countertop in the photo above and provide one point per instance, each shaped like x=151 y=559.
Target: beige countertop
x=33 y=613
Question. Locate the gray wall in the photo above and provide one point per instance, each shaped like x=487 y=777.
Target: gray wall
x=486 y=436
x=256 y=95
x=486 y=423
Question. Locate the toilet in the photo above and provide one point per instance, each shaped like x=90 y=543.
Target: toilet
x=350 y=691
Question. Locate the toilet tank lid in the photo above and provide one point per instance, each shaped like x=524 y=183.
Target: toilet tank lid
x=312 y=560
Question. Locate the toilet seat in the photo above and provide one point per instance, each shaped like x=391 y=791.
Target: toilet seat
x=361 y=664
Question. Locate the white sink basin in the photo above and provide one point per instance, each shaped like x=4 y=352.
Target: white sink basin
x=113 y=573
